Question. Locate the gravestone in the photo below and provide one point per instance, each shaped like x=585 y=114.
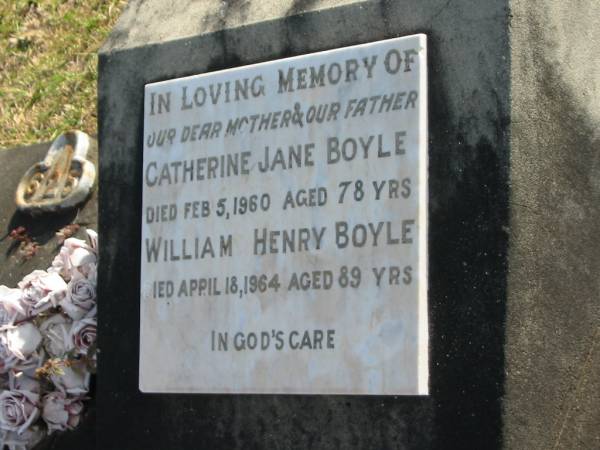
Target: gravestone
x=499 y=106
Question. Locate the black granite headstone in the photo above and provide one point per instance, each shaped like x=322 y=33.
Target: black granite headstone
x=471 y=47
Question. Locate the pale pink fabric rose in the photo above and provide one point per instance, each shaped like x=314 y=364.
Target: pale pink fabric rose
x=83 y=335
x=80 y=298
x=18 y=410
x=75 y=258
x=20 y=381
x=10 y=306
x=81 y=258
x=7 y=358
x=90 y=271
x=56 y=335
x=6 y=317
x=61 y=412
x=23 y=340
x=61 y=264
x=18 y=348
x=72 y=381
x=31 y=363
x=41 y=291
x=74 y=244
x=26 y=440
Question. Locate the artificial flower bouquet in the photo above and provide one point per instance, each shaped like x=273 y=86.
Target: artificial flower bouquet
x=48 y=346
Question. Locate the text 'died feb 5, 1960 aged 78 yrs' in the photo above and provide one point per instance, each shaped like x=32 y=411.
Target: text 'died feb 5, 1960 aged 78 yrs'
x=284 y=226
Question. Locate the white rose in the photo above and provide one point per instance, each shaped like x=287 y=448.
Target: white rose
x=56 y=335
x=61 y=264
x=9 y=360
x=73 y=244
x=23 y=340
x=18 y=410
x=41 y=290
x=61 y=412
x=82 y=257
x=72 y=381
x=75 y=258
x=80 y=298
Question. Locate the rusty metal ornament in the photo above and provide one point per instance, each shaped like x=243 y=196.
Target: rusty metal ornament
x=62 y=180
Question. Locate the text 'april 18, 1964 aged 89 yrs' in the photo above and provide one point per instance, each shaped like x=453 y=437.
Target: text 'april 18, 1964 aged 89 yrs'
x=284 y=226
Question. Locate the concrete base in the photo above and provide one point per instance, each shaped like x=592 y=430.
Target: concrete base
x=552 y=348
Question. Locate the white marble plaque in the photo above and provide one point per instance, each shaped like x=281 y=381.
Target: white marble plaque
x=284 y=227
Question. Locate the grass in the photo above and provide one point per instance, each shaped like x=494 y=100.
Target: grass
x=48 y=66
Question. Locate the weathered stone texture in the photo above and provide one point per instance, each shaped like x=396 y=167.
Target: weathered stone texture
x=553 y=314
